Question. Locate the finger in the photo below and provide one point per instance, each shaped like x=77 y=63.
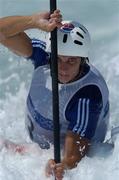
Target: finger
x=57 y=11
x=56 y=16
x=50 y=168
x=55 y=21
x=59 y=173
x=59 y=176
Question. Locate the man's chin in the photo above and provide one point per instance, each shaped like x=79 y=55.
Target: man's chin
x=63 y=81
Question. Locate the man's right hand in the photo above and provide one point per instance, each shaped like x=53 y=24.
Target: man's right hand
x=46 y=21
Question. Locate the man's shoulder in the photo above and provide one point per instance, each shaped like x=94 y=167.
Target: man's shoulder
x=91 y=92
x=39 y=56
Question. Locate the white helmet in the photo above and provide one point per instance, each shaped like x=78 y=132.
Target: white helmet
x=73 y=40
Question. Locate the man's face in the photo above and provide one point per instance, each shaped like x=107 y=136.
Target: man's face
x=68 y=68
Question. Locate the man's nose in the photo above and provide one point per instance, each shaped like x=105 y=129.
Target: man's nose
x=63 y=66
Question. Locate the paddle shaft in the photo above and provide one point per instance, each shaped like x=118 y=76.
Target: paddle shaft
x=55 y=93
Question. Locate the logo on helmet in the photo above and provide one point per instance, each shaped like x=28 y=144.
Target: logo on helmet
x=67 y=28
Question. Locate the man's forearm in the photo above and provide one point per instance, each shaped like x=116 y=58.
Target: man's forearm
x=70 y=163
x=74 y=150
x=12 y=25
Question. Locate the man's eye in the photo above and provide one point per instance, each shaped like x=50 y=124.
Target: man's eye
x=72 y=61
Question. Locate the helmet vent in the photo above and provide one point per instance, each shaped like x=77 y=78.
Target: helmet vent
x=78 y=42
x=82 y=30
x=65 y=38
x=79 y=34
